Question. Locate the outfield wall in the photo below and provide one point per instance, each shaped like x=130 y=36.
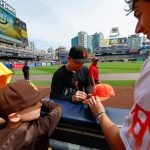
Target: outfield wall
x=20 y=65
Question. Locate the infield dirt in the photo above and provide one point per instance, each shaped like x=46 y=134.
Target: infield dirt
x=122 y=99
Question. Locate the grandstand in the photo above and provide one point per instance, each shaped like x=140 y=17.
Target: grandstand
x=120 y=53
x=122 y=48
x=14 y=37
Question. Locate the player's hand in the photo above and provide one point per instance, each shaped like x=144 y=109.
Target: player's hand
x=79 y=96
x=95 y=104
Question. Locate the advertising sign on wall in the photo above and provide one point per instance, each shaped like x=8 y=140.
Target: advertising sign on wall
x=12 y=28
x=118 y=41
x=16 y=66
x=105 y=42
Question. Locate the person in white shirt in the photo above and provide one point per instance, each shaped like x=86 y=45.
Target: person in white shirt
x=134 y=134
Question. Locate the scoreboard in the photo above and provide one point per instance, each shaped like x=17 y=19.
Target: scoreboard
x=12 y=28
x=118 y=41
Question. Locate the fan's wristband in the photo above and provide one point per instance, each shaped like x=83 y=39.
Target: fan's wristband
x=99 y=113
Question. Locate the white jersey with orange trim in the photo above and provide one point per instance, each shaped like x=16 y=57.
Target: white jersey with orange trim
x=135 y=131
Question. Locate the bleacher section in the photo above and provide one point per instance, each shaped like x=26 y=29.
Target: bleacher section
x=18 y=53
x=8 y=52
x=120 y=53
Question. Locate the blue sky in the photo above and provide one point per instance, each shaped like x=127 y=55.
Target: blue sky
x=52 y=23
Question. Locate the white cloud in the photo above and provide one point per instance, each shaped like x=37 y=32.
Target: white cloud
x=55 y=22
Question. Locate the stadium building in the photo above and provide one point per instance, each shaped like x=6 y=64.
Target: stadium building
x=134 y=41
x=82 y=39
x=74 y=41
x=14 y=45
x=118 y=48
x=97 y=40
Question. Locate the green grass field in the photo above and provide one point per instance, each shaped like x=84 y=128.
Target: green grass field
x=104 y=68
x=113 y=83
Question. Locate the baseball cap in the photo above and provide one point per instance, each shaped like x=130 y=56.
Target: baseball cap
x=18 y=95
x=104 y=91
x=79 y=54
x=94 y=59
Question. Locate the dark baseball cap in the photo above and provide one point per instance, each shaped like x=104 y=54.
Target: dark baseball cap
x=18 y=95
x=94 y=59
x=79 y=54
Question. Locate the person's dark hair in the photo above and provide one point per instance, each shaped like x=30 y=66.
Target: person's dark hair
x=131 y=4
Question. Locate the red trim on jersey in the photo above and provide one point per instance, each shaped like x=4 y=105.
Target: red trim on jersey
x=143 y=126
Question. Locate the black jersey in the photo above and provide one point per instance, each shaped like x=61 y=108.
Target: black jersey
x=25 y=69
x=65 y=83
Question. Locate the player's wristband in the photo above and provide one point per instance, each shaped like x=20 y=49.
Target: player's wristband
x=99 y=113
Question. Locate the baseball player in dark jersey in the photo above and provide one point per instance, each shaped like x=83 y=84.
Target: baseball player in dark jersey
x=25 y=71
x=72 y=81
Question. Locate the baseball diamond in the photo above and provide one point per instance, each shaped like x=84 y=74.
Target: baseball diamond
x=122 y=99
